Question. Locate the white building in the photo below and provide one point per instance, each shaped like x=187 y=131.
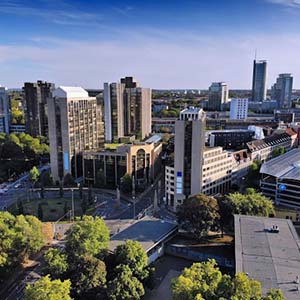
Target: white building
x=4 y=110
x=239 y=109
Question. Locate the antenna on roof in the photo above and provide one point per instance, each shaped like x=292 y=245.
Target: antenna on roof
x=255 y=54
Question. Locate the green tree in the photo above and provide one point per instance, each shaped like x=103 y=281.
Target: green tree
x=34 y=175
x=278 y=151
x=126 y=183
x=198 y=214
x=69 y=180
x=40 y=212
x=88 y=237
x=133 y=255
x=125 y=286
x=204 y=281
x=61 y=191
x=20 y=208
x=46 y=179
x=56 y=262
x=89 y=280
x=252 y=203
x=100 y=179
x=45 y=288
x=90 y=196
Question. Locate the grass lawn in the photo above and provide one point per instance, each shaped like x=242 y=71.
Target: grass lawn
x=53 y=209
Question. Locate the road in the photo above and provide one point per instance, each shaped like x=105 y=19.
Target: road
x=17 y=190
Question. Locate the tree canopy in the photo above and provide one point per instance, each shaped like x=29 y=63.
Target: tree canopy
x=20 y=237
x=45 y=288
x=204 y=281
x=88 y=237
x=252 y=203
x=134 y=256
x=198 y=214
x=125 y=286
x=56 y=262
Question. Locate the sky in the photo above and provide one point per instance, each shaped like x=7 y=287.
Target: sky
x=163 y=44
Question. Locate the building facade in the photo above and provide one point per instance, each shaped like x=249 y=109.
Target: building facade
x=216 y=169
x=280 y=179
x=127 y=110
x=282 y=90
x=36 y=96
x=263 y=149
x=142 y=161
x=229 y=139
x=4 y=110
x=217 y=95
x=259 y=81
x=74 y=127
x=239 y=109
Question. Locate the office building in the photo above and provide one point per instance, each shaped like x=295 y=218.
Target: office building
x=141 y=160
x=4 y=110
x=267 y=250
x=284 y=116
x=259 y=81
x=74 y=127
x=196 y=169
x=217 y=95
x=36 y=115
x=282 y=90
x=127 y=110
x=229 y=139
x=239 y=109
x=281 y=179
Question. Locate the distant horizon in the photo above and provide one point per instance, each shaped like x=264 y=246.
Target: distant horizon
x=164 y=44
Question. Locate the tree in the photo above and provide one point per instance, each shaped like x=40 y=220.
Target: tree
x=90 y=196
x=34 y=175
x=40 y=212
x=84 y=205
x=61 y=191
x=56 y=262
x=126 y=183
x=20 y=208
x=69 y=180
x=89 y=281
x=46 y=179
x=125 y=286
x=204 y=281
x=252 y=203
x=42 y=192
x=88 y=237
x=100 y=179
x=45 y=288
x=133 y=255
x=278 y=151
x=198 y=214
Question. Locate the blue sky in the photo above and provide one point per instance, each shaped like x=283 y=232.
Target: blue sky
x=164 y=44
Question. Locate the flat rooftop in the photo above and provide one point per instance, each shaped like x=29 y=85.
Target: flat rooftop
x=148 y=231
x=271 y=258
x=286 y=166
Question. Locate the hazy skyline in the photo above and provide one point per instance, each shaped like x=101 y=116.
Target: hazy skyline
x=167 y=44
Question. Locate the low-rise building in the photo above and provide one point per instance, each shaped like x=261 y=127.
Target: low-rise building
x=229 y=139
x=263 y=149
x=267 y=250
x=151 y=233
x=140 y=159
x=281 y=179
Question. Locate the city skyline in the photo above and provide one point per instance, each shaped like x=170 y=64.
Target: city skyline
x=164 y=44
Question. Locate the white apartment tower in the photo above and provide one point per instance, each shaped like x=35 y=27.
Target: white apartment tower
x=75 y=125
x=239 y=109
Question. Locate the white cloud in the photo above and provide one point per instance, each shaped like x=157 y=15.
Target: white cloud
x=179 y=60
x=288 y=3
